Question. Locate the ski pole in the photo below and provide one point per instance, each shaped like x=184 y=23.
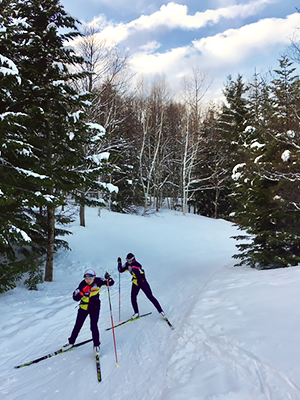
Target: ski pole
x=119 y=297
x=112 y=323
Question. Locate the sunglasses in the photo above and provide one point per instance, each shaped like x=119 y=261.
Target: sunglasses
x=89 y=276
x=130 y=260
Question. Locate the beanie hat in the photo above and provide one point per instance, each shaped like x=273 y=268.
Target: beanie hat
x=129 y=256
x=89 y=272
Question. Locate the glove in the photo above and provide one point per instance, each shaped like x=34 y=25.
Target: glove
x=107 y=276
x=119 y=267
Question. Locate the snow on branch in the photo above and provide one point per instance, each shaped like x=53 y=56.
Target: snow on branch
x=257 y=145
x=76 y=115
x=31 y=173
x=52 y=25
x=9 y=67
x=235 y=174
x=285 y=156
x=11 y=114
x=110 y=187
x=256 y=161
x=14 y=229
x=22 y=22
x=49 y=198
x=97 y=158
x=101 y=131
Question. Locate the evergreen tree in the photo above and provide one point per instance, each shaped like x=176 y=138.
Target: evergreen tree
x=53 y=139
x=234 y=119
x=213 y=175
x=268 y=183
x=19 y=252
x=232 y=134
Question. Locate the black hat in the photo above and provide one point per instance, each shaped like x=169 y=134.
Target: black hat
x=129 y=256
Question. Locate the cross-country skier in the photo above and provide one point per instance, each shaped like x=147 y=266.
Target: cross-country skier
x=88 y=294
x=139 y=281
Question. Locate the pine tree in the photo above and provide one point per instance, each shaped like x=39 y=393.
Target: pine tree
x=54 y=135
x=213 y=172
x=233 y=134
x=234 y=119
x=19 y=253
x=269 y=184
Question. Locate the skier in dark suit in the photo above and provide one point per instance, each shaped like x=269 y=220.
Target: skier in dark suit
x=139 y=281
x=88 y=293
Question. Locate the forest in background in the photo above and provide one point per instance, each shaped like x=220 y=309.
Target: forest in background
x=75 y=131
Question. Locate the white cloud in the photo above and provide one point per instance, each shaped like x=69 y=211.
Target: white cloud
x=235 y=45
x=228 y=52
x=159 y=62
x=150 y=47
x=230 y=47
x=174 y=16
x=223 y=54
x=115 y=34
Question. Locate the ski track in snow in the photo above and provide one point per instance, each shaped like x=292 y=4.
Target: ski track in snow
x=208 y=356
x=189 y=353
x=199 y=355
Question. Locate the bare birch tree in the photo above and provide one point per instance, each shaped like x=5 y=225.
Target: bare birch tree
x=194 y=89
x=106 y=79
x=151 y=114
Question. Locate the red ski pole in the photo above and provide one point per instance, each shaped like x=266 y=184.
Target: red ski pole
x=119 y=298
x=112 y=323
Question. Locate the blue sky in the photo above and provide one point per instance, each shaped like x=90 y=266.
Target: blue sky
x=218 y=37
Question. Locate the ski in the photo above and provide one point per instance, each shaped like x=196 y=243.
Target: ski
x=62 y=350
x=129 y=320
x=168 y=322
x=97 y=357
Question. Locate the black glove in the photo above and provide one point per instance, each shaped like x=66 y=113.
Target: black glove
x=119 y=260
x=107 y=276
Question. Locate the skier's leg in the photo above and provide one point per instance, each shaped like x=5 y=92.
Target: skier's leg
x=148 y=292
x=134 y=293
x=94 y=316
x=81 y=316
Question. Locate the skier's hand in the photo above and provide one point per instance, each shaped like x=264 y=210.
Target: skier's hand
x=119 y=260
x=86 y=290
x=107 y=276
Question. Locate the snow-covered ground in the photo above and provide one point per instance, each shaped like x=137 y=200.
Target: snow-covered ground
x=237 y=330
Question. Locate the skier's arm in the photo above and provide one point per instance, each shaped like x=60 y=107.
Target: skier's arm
x=120 y=267
x=104 y=282
x=139 y=273
x=82 y=290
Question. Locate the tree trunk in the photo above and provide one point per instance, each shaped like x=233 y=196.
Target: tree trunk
x=82 y=215
x=216 y=202
x=50 y=245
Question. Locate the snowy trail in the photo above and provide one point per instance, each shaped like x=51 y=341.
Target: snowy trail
x=233 y=339
x=200 y=356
